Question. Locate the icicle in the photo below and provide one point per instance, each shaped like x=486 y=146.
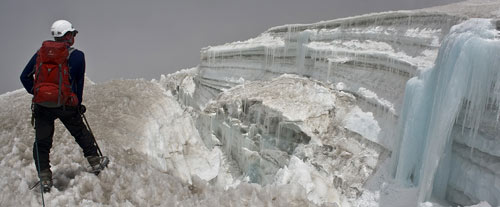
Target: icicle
x=302 y=40
x=465 y=69
x=207 y=53
x=409 y=20
x=212 y=59
x=274 y=55
x=245 y=99
x=215 y=57
x=266 y=62
x=328 y=73
x=355 y=59
x=230 y=139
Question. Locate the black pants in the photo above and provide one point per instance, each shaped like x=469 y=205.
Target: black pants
x=44 y=131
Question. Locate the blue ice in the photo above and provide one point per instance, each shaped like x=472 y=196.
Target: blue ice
x=464 y=78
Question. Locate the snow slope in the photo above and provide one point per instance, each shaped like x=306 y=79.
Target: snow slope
x=157 y=156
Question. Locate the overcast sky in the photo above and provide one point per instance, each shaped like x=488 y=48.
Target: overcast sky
x=144 y=39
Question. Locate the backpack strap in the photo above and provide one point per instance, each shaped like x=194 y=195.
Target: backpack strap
x=70 y=50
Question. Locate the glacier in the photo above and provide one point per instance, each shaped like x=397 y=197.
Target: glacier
x=384 y=61
x=395 y=108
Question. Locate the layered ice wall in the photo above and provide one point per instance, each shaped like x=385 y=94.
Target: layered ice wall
x=450 y=137
x=370 y=56
x=379 y=52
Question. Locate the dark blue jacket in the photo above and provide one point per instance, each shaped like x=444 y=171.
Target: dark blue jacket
x=77 y=73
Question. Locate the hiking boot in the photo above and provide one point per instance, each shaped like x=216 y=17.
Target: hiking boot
x=45 y=180
x=97 y=163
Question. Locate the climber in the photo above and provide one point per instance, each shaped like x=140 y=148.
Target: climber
x=55 y=77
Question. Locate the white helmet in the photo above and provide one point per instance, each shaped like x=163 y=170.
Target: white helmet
x=60 y=27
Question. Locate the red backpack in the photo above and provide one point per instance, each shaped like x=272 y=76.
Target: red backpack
x=52 y=79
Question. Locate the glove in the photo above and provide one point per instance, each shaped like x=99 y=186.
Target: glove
x=82 y=109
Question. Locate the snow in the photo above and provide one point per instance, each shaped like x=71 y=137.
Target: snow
x=482 y=204
x=370 y=95
x=310 y=180
x=363 y=123
x=470 y=8
x=264 y=40
x=292 y=100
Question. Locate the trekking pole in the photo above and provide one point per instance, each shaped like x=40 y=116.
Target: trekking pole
x=37 y=154
x=93 y=137
x=38 y=169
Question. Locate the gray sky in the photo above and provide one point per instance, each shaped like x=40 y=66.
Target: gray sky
x=144 y=39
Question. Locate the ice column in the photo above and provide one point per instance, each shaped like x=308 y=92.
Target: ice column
x=302 y=41
x=465 y=72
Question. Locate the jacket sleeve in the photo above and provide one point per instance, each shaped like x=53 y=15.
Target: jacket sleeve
x=77 y=73
x=27 y=78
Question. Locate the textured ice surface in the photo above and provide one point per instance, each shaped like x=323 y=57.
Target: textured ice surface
x=459 y=90
x=292 y=129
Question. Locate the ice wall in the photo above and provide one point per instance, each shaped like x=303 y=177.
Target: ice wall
x=449 y=122
x=371 y=56
x=379 y=52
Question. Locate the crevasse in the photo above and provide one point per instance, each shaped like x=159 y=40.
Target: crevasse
x=463 y=85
